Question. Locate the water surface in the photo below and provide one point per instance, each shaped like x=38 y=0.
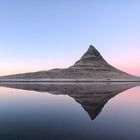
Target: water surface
x=87 y=111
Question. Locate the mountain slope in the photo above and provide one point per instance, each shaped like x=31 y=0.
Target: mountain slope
x=91 y=66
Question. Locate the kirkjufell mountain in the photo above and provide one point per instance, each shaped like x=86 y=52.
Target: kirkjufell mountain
x=91 y=67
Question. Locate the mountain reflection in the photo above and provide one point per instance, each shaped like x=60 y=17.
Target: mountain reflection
x=91 y=96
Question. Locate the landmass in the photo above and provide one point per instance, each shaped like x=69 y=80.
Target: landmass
x=92 y=67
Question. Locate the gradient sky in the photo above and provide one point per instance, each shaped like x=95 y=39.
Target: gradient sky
x=44 y=34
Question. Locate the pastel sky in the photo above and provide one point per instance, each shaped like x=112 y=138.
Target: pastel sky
x=45 y=34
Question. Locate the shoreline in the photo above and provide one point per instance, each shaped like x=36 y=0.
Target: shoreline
x=69 y=80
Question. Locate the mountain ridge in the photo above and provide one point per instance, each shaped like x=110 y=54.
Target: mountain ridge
x=91 y=66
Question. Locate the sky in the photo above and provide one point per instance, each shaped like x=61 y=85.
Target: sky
x=44 y=34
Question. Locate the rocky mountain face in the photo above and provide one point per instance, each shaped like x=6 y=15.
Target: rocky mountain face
x=92 y=60
x=91 y=66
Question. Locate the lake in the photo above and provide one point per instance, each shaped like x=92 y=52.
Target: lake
x=69 y=111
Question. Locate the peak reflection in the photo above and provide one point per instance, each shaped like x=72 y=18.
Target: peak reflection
x=91 y=96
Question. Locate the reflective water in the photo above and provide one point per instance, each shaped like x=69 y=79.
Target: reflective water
x=72 y=111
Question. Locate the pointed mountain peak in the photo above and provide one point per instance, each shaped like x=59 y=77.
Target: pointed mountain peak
x=91 y=60
x=91 y=47
x=91 y=52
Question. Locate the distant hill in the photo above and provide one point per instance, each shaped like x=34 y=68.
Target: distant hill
x=91 y=67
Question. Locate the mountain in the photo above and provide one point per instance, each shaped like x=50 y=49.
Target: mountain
x=91 y=67
x=91 y=96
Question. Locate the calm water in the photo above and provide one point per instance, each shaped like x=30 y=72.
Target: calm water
x=70 y=112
